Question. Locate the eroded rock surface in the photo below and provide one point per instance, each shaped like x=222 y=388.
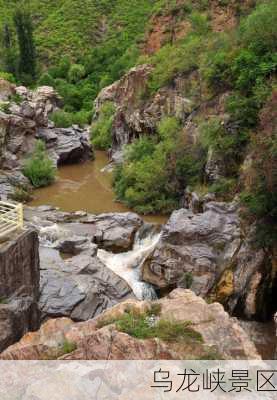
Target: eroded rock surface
x=201 y=244
x=24 y=122
x=19 y=287
x=220 y=333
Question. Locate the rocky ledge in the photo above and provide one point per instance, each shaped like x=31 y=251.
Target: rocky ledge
x=212 y=333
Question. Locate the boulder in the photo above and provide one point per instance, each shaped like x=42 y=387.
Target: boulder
x=220 y=335
x=116 y=231
x=68 y=145
x=202 y=245
x=80 y=287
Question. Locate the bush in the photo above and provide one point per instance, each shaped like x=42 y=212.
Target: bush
x=64 y=119
x=46 y=80
x=101 y=130
x=224 y=188
x=76 y=73
x=260 y=191
x=7 y=76
x=157 y=169
x=61 y=119
x=39 y=169
x=227 y=144
x=258 y=32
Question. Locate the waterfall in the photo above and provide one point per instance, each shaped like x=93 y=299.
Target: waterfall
x=49 y=235
x=128 y=265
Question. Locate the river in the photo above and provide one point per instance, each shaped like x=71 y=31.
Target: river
x=87 y=187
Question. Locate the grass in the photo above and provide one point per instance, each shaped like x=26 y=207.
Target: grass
x=147 y=325
x=3 y=300
x=67 y=347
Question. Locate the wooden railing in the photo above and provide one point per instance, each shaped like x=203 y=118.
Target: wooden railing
x=11 y=218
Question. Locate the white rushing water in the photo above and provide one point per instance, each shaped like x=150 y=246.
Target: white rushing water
x=127 y=265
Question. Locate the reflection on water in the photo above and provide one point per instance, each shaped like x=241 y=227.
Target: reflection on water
x=84 y=187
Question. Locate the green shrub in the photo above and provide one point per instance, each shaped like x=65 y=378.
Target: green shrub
x=39 y=169
x=67 y=347
x=101 y=131
x=157 y=169
x=76 y=73
x=46 y=80
x=3 y=300
x=224 y=188
x=7 y=76
x=61 y=119
x=258 y=31
x=227 y=145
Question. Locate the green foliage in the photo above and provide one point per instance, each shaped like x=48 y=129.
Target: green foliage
x=3 y=300
x=172 y=59
x=156 y=170
x=27 y=53
x=224 y=188
x=260 y=191
x=7 y=76
x=64 y=119
x=227 y=144
x=46 y=80
x=76 y=73
x=101 y=130
x=39 y=169
x=187 y=280
x=258 y=32
x=140 y=325
x=67 y=347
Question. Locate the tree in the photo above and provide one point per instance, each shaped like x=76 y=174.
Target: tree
x=27 y=53
x=9 y=51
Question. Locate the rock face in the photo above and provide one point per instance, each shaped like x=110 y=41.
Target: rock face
x=22 y=124
x=134 y=116
x=80 y=287
x=68 y=145
x=19 y=288
x=220 y=333
x=210 y=253
x=201 y=244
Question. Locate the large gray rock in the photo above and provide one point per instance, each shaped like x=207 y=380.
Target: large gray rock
x=79 y=288
x=198 y=244
x=111 y=231
x=116 y=231
x=68 y=145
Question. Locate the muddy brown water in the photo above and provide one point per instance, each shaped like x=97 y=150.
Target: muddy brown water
x=85 y=187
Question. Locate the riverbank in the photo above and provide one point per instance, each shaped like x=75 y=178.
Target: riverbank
x=86 y=186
